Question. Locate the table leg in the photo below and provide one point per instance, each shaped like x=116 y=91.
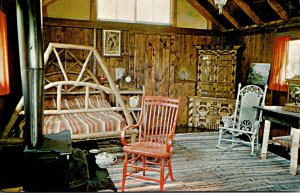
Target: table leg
x=265 y=142
x=294 y=151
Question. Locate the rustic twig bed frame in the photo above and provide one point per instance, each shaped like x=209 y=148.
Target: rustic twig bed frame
x=72 y=91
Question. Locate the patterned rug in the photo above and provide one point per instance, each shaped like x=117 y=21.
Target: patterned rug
x=199 y=166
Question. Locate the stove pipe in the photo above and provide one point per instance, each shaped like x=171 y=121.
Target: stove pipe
x=29 y=20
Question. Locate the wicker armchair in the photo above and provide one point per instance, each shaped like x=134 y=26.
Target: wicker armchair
x=246 y=119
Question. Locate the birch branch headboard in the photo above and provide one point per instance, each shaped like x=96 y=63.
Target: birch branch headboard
x=74 y=98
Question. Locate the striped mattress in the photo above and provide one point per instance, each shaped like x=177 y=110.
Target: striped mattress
x=82 y=123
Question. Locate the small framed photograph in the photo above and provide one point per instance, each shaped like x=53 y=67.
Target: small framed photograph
x=120 y=73
x=111 y=43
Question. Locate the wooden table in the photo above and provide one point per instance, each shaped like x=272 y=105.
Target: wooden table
x=277 y=115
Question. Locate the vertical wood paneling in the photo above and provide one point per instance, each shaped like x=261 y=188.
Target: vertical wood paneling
x=164 y=65
x=149 y=71
x=174 y=57
x=181 y=56
x=68 y=35
x=258 y=49
x=179 y=46
x=153 y=59
x=156 y=71
x=130 y=45
x=139 y=58
x=123 y=61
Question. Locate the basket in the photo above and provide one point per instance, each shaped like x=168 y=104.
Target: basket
x=292 y=108
x=293 y=103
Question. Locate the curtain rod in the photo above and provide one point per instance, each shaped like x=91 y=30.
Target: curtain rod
x=295 y=34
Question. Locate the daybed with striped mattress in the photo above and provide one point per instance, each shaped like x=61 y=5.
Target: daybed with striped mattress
x=74 y=99
x=82 y=123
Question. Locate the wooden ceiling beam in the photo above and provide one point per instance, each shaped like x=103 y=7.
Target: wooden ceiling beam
x=48 y=2
x=279 y=9
x=228 y=16
x=248 y=11
x=206 y=14
x=133 y=27
x=45 y=3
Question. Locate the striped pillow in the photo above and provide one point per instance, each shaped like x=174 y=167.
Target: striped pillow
x=50 y=104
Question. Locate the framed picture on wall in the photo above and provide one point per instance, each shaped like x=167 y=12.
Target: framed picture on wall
x=119 y=73
x=111 y=43
x=259 y=73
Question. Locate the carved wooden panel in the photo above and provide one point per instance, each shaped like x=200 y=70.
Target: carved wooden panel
x=216 y=71
x=207 y=112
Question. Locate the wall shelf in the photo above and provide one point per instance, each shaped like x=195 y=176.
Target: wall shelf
x=126 y=94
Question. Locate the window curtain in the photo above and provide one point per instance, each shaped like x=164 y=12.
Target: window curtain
x=4 y=74
x=279 y=61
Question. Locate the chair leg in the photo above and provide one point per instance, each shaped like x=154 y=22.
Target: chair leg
x=170 y=169
x=162 y=174
x=124 y=171
x=232 y=139
x=252 y=144
x=144 y=164
x=220 y=136
x=257 y=143
x=252 y=148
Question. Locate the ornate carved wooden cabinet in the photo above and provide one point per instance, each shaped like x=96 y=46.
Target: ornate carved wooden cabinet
x=206 y=112
x=216 y=78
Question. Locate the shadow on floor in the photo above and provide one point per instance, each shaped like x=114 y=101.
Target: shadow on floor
x=277 y=149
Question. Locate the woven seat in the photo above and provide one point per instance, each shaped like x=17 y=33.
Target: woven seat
x=246 y=119
x=157 y=124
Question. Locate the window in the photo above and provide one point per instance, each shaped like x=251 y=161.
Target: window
x=285 y=62
x=293 y=62
x=135 y=11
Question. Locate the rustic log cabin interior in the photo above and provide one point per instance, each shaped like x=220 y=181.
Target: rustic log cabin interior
x=198 y=51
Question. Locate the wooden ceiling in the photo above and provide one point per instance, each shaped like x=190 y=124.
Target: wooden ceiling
x=249 y=14
x=242 y=15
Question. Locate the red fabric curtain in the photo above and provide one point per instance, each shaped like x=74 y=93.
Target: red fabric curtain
x=4 y=75
x=279 y=61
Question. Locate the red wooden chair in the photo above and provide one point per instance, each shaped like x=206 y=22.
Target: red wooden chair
x=156 y=127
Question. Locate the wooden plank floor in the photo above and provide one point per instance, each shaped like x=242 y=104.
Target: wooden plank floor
x=199 y=166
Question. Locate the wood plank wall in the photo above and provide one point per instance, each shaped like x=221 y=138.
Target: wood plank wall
x=258 y=48
x=151 y=58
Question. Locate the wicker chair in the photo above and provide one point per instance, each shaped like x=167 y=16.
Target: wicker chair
x=246 y=119
x=157 y=124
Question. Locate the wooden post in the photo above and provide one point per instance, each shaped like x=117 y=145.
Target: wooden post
x=93 y=12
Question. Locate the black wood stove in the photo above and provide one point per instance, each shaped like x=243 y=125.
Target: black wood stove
x=47 y=168
x=50 y=162
x=45 y=157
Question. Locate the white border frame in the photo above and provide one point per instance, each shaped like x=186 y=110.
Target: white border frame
x=116 y=37
x=119 y=73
